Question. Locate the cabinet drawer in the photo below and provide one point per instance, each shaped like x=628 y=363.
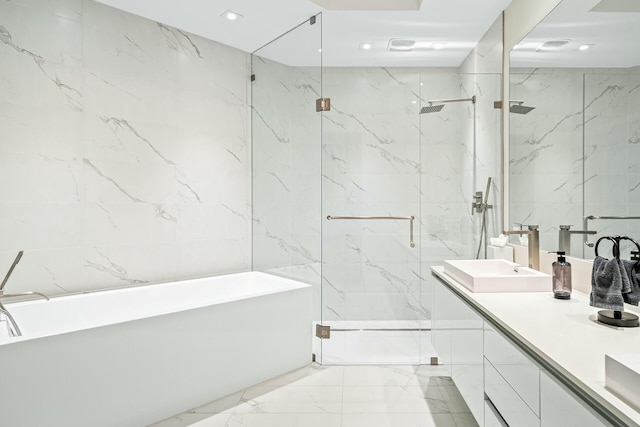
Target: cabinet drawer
x=560 y=407
x=508 y=403
x=522 y=373
x=491 y=419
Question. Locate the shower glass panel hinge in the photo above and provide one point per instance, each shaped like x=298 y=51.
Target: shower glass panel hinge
x=253 y=77
x=323 y=332
x=312 y=20
x=323 y=104
x=497 y=104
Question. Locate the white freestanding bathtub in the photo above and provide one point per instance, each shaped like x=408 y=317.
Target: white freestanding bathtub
x=135 y=356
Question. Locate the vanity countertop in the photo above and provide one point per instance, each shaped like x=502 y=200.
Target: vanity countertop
x=563 y=334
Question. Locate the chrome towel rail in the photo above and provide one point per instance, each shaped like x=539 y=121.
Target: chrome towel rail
x=593 y=217
x=409 y=218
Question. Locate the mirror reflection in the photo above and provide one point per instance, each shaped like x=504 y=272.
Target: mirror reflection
x=575 y=126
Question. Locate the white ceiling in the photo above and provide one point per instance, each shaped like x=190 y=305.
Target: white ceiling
x=614 y=34
x=458 y=23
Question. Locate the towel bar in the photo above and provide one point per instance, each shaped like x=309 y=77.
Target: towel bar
x=409 y=218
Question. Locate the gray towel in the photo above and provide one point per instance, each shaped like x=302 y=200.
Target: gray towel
x=631 y=282
x=606 y=284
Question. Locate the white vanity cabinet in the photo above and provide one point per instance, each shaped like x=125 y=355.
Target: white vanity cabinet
x=512 y=380
x=560 y=407
x=457 y=335
x=503 y=383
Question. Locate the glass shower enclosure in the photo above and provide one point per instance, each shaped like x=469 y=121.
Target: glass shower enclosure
x=359 y=200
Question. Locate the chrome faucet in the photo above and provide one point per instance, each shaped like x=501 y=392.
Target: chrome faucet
x=6 y=277
x=14 y=330
x=534 y=244
x=564 y=237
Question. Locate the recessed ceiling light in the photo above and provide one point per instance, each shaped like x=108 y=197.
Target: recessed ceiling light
x=438 y=46
x=366 y=46
x=414 y=102
x=585 y=47
x=231 y=15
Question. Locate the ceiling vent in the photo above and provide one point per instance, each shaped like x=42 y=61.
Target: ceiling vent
x=552 y=45
x=401 y=45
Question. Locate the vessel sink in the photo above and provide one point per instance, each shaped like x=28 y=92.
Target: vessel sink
x=622 y=376
x=497 y=275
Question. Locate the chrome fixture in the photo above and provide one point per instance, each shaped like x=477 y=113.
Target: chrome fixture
x=518 y=108
x=564 y=237
x=8 y=275
x=409 y=218
x=585 y=224
x=534 y=244
x=323 y=104
x=431 y=108
x=481 y=207
x=514 y=107
x=14 y=330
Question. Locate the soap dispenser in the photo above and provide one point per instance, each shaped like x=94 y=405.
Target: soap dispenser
x=561 y=277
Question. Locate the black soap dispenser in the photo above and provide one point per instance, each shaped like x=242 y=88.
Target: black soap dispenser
x=561 y=277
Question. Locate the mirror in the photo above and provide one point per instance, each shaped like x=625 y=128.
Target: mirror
x=575 y=124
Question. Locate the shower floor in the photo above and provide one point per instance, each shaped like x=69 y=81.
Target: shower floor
x=391 y=342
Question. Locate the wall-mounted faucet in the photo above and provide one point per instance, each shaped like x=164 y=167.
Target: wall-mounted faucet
x=564 y=237
x=14 y=330
x=534 y=244
x=13 y=265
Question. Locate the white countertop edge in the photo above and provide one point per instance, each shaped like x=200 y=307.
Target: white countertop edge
x=590 y=381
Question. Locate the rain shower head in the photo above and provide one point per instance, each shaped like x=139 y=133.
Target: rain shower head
x=431 y=109
x=518 y=108
x=440 y=104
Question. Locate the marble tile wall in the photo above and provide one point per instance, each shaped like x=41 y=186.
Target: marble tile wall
x=576 y=154
x=380 y=157
x=612 y=153
x=371 y=167
x=120 y=138
x=286 y=171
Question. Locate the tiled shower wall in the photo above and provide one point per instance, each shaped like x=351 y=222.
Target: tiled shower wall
x=379 y=157
x=577 y=153
x=124 y=155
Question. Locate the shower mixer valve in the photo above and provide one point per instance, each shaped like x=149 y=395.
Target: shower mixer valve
x=478 y=205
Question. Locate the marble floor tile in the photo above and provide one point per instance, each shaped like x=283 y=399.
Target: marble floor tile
x=398 y=420
x=312 y=374
x=282 y=420
x=291 y=399
x=454 y=400
x=380 y=376
x=464 y=419
x=393 y=399
x=339 y=396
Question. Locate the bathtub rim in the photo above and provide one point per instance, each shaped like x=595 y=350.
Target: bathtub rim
x=292 y=285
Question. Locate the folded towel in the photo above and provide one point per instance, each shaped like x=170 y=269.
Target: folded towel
x=606 y=284
x=499 y=241
x=631 y=282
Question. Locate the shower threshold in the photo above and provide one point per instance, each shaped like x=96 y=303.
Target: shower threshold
x=390 y=342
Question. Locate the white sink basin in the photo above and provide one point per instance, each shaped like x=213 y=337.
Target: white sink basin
x=497 y=275
x=622 y=376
